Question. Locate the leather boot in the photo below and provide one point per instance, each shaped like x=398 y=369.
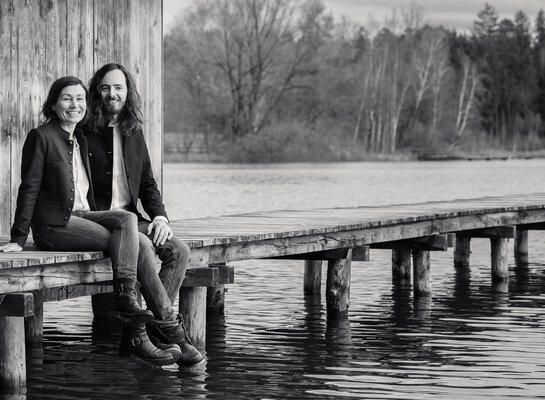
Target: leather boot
x=126 y=307
x=175 y=332
x=135 y=342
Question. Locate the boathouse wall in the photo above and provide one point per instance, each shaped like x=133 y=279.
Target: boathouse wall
x=42 y=40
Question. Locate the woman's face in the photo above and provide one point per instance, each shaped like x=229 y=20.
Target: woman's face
x=71 y=105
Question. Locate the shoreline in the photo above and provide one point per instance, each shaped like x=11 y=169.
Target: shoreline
x=396 y=157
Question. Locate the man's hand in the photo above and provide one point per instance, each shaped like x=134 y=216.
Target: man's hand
x=161 y=231
x=10 y=248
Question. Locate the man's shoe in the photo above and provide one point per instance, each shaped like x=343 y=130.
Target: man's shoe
x=135 y=342
x=166 y=332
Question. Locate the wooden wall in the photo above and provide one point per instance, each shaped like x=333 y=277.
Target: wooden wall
x=42 y=40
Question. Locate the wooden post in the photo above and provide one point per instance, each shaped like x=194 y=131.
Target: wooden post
x=12 y=352
x=34 y=326
x=193 y=309
x=521 y=247
x=313 y=277
x=215 y=295
x=462 y=251
x=500 y=267
x=215 y=300
x=338 y=286
x=401 y=265
x=422 y=275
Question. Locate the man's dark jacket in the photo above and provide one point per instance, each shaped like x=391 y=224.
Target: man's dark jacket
x=46 y=193
x=142 y=184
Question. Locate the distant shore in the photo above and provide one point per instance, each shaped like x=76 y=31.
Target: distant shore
x=178 y=157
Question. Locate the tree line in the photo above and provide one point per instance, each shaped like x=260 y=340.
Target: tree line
x=283 y=80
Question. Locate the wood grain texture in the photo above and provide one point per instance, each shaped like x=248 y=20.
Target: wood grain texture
x=41 y=41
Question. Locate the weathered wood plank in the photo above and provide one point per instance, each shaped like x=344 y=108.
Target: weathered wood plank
x=206 y=276
x=74 y=291
x=63 y=274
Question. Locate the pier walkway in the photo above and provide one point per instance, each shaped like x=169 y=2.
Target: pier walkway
x=338 y=235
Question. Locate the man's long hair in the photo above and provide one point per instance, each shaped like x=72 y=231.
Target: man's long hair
x=130 y=119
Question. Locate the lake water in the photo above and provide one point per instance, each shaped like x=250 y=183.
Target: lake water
x=467 y=341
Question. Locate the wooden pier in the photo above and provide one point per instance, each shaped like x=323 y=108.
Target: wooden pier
x=338 y=235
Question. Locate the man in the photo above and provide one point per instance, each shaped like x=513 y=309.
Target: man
x=121 y=174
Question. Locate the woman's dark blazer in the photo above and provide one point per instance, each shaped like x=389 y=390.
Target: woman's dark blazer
x=46 y=193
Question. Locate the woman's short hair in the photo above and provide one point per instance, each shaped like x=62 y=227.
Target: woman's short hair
x=55 y=92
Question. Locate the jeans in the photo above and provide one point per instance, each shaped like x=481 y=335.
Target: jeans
x=161 y=289
x=113 y=232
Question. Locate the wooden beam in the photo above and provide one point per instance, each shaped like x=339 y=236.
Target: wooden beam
x=74 y=291
x=206 y=276
x=427 y=243
x=506 y=232
x=359 y=253
x=38 y=277
x=540 y=226
x=17 y=305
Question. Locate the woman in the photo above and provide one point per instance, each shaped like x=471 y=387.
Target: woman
x=56 y=199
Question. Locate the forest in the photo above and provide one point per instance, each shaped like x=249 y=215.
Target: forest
x=283 y=80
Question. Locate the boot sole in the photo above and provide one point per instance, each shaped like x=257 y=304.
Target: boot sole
x=186 y=364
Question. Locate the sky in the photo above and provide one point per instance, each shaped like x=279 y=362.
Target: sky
x=458 y=14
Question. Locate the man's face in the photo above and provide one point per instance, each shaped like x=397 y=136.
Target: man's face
x=113 y=89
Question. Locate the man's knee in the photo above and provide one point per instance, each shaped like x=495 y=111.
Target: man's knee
x=174 y=250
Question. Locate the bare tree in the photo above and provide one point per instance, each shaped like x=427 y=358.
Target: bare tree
x=260 y=49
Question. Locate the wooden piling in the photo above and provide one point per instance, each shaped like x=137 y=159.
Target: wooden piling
x=215 y=300
x=12 y=352
x=34 y=325
x=521 y=247
x=462 y=251
x=338 y=286
x=401 y=265
x=193 y=309
x=422 y=273
x=312 y=277
x=500 y=267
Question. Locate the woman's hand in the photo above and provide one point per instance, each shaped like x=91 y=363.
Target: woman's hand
x=10 y=248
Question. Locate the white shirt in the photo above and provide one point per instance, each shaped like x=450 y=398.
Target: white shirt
x=121 y=196
x=81 y=181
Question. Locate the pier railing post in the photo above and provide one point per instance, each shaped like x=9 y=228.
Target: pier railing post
x=521 y=247
x=462 y=251
x=312 y=277
x=12 y=353
x=338 y=286
x=401 y=265
x=422 y=273
x=500 y=267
